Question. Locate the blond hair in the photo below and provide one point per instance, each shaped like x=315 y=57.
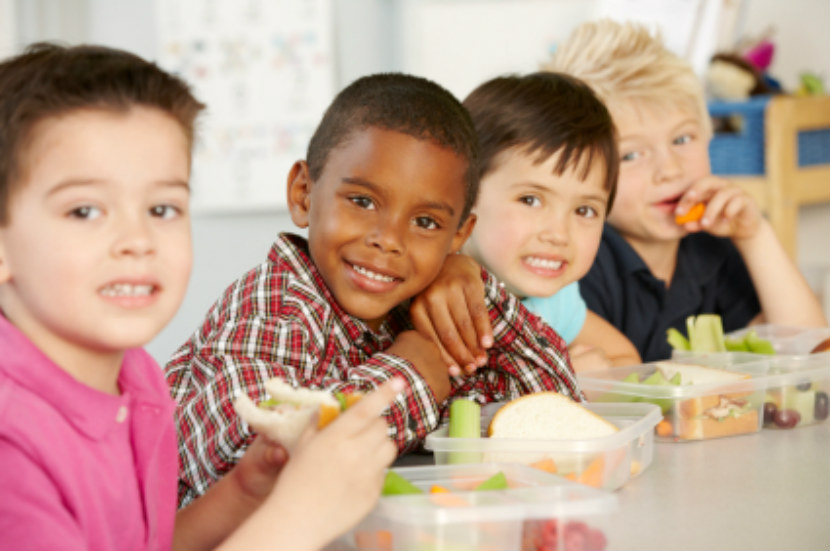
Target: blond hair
x=625 y=63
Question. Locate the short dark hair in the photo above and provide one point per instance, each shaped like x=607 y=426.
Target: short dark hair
x=49 y=80
x=545 y=113
x=402 y=103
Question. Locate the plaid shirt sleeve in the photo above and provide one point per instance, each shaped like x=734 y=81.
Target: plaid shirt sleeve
x=527 y=356
x=239 y=347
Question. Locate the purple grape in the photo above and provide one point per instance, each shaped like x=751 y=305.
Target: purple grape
x=821 y=408
x=769 y=412
x=786 y=418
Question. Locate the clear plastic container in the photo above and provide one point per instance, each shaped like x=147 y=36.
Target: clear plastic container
x=538 y=511
x=607 y=462
x=690 y=411
x=797 y=382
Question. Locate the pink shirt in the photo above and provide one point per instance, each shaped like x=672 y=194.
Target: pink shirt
x=81 y=469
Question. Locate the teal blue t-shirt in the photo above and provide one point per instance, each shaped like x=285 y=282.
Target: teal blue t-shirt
x=565 y=311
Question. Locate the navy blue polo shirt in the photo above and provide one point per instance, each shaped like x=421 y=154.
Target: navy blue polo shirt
x=710 y=278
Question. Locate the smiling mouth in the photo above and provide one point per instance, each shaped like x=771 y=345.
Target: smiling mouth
x=544 y=263
x=365 y=272
x=127 y=290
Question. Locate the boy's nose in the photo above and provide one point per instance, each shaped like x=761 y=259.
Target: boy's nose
x=555 y=231
x=387 y=236
x=669 y=166
x=134 y=237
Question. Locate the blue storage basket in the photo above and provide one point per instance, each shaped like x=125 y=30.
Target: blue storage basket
x=742 y=152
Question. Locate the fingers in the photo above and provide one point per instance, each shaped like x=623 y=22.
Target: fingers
x=457 y=331
x=423 y=323
x=480 y=315
x=371 y=406
x=723 y=200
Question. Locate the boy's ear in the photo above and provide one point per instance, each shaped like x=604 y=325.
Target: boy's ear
x=299 y=193
x=463 y=233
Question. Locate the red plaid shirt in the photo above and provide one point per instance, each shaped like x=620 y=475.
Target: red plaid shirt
x=280 y=320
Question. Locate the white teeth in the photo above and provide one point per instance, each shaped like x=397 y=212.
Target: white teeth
x=372 y=275
x=126 y=290
x=537 y=262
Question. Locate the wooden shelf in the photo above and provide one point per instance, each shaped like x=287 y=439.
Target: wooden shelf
x=785 y=186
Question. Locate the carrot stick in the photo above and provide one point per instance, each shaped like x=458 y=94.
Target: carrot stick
x=693 y=215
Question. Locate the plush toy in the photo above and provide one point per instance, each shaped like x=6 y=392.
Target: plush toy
x=731 y=77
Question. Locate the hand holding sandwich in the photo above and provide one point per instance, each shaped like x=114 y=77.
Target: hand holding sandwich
x=273 y=500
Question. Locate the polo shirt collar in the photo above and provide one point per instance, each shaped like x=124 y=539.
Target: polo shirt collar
x=696 y=256
x=629 y=260
x=90 y=411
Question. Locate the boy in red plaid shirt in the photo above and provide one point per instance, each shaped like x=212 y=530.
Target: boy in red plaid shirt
x=385 y=193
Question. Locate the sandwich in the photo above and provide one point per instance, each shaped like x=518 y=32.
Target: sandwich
x=547 y=415
x=723 y=411
x=547 y=421
x=286 y=414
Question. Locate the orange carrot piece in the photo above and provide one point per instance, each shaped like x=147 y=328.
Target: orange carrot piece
x=438 y=489
x=547 y=464
x=592 y=475
x=447 y=499
x=327 y=415
x=693 y=215
x=664 y=429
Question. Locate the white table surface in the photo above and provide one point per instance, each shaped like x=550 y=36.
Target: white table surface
x=768 y=490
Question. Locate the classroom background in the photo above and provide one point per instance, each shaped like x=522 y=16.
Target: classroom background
x=268 y=68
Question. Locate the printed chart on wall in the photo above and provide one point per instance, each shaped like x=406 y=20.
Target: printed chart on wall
x=265 y=70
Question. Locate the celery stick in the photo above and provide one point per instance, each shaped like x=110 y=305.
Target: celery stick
x=676 y=339
x=394 y=485
x=465 y=422
x=496 y=482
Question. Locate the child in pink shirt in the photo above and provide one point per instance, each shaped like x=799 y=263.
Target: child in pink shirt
x=95 y=254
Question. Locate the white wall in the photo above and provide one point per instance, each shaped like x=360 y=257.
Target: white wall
x=370 y=37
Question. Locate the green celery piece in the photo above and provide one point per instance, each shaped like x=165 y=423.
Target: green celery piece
x=658 y=379
x=676 y=339
x=632 y=377
x=706 y=333
x=341 y=400
x=396 y=485
x=736 y=345
x=675 y=380
x=465 y=422
x=496 y=482
x=757 y=345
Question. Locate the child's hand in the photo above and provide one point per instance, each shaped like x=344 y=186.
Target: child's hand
x=335 y=475
x=585 y=357
x=259 y=468
x=730 y=212
x=425 y=356
x=452 y=312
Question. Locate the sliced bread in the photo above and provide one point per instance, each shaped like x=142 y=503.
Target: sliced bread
x=548 y=415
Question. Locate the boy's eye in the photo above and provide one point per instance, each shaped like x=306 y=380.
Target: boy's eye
x=362 y=201
x=530 y=200
x=587 y=212
x=426 y=222
x=85 y=212
x=164 y=211
x=684 y=139
x=630 y=156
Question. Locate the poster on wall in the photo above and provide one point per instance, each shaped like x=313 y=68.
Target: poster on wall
x=265 y=70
